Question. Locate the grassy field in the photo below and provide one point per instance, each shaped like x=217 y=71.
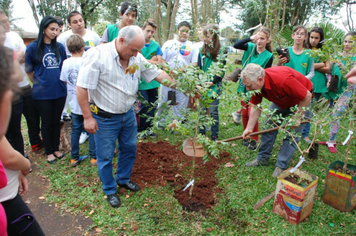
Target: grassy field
x=154 y=211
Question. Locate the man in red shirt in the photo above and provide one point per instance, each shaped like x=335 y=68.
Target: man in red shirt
x=286 y=89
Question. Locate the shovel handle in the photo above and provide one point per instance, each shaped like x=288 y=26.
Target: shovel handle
x=259 y=132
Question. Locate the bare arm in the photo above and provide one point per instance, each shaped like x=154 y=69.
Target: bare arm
x=156 y=60
x=12 y=159
x=323 y=67
x=90 y=124
x=21 y=56
x=30 y=76
x=351 y=76
x=17 y=72
x=254 y=115
x=164 y=76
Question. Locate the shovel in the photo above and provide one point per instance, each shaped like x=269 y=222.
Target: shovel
x=189 y=144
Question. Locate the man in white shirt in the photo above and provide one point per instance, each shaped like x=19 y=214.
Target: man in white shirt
x=24 y=103
x=76 y=23
x=109 y=80
x=178 y=53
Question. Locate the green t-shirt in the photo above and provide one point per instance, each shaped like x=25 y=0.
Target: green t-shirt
x=301 y=63
x=259 y=58
x=148 y=53
x=319 y=80
x=113 y=31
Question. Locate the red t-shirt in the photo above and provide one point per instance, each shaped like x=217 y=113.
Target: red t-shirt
x=283 y=86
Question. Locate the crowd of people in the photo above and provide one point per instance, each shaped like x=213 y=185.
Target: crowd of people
x=101 y=79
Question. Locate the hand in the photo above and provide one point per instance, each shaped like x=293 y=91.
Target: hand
x=90 y=125
x=282 y=60
x=245 y=134
x=351 y=76
x=23 y=185
x=209 y=83
x=296 y=120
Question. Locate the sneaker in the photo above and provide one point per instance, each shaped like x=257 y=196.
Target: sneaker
x=75 y=162
x=93 y=162
x=252 y=145
x=214 y=138
x=66 y=118
x=37 y=146
x=277 y=171
x=83 y=137
x=256 y=162
x=245 y=142
x=236 y=117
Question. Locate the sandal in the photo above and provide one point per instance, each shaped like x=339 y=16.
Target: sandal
x=60 y=157
x=332 y=147
x=52 y=161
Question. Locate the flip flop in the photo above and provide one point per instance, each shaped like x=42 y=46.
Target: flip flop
x=60 y=157
x=332 y=147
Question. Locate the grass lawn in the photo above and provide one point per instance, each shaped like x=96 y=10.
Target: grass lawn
x=154 y=211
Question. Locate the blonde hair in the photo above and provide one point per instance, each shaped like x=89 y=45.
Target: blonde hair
x=267 y=32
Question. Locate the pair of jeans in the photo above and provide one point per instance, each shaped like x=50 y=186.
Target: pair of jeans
x=146 y=112
x=77 y=129
x=268 y=139
x=121 y=127
x=50 y=113
x=20 y=219
x=32 y=118
x=13 y=133
x=214 y=113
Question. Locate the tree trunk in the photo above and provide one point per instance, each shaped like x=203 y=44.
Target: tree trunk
x=158 y=20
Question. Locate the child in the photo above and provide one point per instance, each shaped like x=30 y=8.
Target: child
x=258 y=52
x=69 y=74
x=301 y=62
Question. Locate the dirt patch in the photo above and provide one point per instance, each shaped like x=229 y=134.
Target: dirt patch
x=348 y=171
x=161 y=164
x=295 y=179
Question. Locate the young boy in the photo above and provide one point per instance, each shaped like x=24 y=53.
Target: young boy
x=69 y=74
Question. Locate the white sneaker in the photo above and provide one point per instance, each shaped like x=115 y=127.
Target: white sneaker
x=83 y=137
x=236 y=117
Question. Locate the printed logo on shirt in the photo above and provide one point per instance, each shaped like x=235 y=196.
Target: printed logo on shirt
x=72 y=76
x=305 y=65
x=185 y=50
x=88 y=45
x=50 y=61
x=153 y=54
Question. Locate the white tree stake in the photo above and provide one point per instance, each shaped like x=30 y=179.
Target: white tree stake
x=347 y=138
x=252 y=28
x=299 y=164
x=321 y=129
x=189 y=184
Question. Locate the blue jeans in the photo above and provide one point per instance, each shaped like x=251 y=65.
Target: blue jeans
x=122 y=127
x=214 y=113
x=77 y=129
x=268 y=140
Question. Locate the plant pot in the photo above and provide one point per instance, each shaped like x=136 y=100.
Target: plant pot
x=294 y=202
x=284 y=52
x=313 y=151
x=340 y=188
x=235 y=75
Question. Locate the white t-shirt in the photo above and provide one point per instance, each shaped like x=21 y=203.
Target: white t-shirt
x=69 y=74
x=91 y=39
x=179 y=54
x=15 y=42
x=10 y=190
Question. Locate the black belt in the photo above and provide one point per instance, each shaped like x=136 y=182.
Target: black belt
x=96 y=110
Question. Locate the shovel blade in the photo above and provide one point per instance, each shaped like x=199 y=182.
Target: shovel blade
x=188 y=148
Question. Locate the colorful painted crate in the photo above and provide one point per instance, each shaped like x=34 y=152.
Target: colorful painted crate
x=340 y=189
x=294 y=202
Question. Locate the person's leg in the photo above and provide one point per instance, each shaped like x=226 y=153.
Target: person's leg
x=163 y=96
x=244 y=113
x=181 y=107
x=20 y=219
x=77 y=127
x=13 y=133
x=256 y=128
x=58 y=105
x=152 y=98
x=92 y=150
x=127 y=151
x=143 y=112
x=33 y=119
x=105 y=140
x=45 y=108
x=214 y=113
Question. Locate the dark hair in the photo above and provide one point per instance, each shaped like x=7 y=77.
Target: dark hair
x=75 y=43
x=298 y=27
x=184 y=23
x=214 y=49
x=151 y=22
x=125 y=5
x=73 y=13
x=59 y=19
x=40 y=43
x=6 y=68
x=318 y=30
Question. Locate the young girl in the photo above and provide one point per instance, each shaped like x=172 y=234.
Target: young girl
x=343 y=102
x=315 y=36
x=208 y=55
x=259 y=52
x=301 y=62
x=44 y=58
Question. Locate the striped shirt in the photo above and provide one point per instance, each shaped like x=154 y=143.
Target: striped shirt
x=109 y=87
